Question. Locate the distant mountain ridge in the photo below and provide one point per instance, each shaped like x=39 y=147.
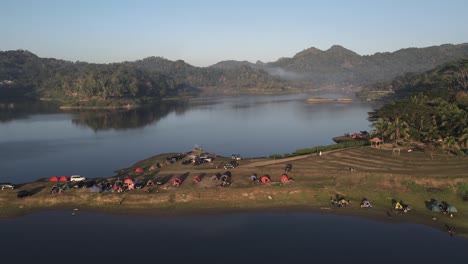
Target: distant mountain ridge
x=339 y=66
x=22 y=73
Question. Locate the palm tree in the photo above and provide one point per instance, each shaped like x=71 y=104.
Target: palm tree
x=381 y=126
x=463 y=139
x=398 y=129
x=450 y=144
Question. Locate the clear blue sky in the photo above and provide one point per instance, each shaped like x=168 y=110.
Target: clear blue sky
x=203 y=32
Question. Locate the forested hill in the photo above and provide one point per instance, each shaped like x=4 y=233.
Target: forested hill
x=23 y=74
x=242 y=79
x=431 y=108
x=341 y=67
x=445 y=81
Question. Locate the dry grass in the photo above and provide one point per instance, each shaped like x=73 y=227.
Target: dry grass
x=377 y=175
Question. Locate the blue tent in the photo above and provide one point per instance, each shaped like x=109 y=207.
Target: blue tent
x=438 y=206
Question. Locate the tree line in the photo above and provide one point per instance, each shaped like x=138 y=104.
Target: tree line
x=433 y=108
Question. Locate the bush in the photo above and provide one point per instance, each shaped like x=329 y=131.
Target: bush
x=462 y=189
x=276 y=156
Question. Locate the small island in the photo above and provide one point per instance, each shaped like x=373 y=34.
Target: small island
x=198 y=181
x=327 y=100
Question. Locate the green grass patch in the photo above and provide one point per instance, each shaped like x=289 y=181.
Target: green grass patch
x=462 y=189
x=414 y=187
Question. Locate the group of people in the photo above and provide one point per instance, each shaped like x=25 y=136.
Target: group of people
x=340 y=201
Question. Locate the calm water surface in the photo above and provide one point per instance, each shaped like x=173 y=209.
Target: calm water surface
x=38 y=141
x=262 y=237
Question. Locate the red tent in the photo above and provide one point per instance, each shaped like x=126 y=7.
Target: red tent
x=196 y=179
x=176 y=181
x=139 y=170
x=284 y=178
x=265 y=179
x=63 y=179
x=53 y=179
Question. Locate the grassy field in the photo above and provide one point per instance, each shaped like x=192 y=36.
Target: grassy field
x=413 y=177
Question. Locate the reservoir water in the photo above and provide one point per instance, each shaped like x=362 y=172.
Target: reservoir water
x=249 y=237
x=38 y=140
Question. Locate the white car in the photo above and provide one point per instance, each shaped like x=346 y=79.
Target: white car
x=77 y=178
x=6 y=186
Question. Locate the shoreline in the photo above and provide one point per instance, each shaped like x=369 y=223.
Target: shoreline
x=377 y=175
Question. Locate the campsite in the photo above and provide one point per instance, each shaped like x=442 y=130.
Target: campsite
x=184 y=185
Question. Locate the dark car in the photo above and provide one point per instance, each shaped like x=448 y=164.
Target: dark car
x=23 y=193
x=139 y=184
x=89 y=184
x=288 y=168
x=231 y=165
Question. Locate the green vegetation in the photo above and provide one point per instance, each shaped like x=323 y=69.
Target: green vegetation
x=129 y=84
x=434 y=109
x=316 y=150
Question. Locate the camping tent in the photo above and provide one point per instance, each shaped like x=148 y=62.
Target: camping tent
x=365 y=203
x=284 y=178
x=438 y=206
x=225 y=178
x=128 y=181
x=139 y=170
x=265 y=179
x=54 y=179
x=176 y=181
x=63 y=179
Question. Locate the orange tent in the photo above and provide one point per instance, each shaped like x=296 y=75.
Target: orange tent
x=128 y=181
x=265 y=179
x=53 y=179
x=284 y=178
x=139 y=170
x=63 y=179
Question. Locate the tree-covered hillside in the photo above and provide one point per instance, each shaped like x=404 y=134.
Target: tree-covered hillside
x=23 y=74
x=433 y=108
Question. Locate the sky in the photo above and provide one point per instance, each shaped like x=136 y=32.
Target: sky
x=203 y=32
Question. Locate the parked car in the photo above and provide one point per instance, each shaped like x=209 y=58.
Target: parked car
x=77 y=178
x=89 y=184
x=236 y=157
x=23 y=193
x=288 y=168
x=231 y=165
x=7 y=186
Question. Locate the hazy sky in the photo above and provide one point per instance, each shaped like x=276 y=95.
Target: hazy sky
x=203 y=32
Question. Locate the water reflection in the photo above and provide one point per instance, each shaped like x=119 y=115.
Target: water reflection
x=127 y=119
x=10 y=111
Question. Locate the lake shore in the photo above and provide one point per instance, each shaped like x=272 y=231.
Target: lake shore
x=377 y=175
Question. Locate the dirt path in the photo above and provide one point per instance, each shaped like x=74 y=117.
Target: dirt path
x=270 y=162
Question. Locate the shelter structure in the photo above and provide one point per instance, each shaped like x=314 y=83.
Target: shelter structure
x=285 y=179
x=196 y=179
x=139 y=170
x=54 y=179
x=63 y=179
x=265 y=179
x=375 y=142
x=176 y=181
